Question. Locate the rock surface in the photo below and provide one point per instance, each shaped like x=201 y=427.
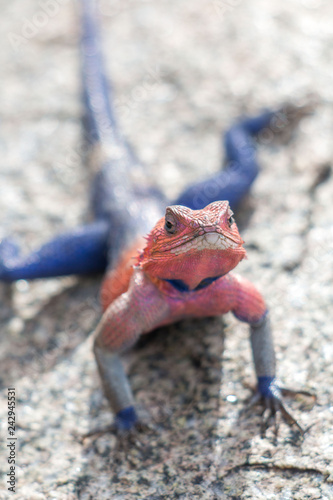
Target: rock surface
x=181 y=73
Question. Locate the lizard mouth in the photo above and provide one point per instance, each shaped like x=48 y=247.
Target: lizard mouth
x=208 y=241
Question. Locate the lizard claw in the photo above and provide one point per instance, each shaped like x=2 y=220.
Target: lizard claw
x=270 y=395
x=290 y=114
x=112 y=429
x=295 y=112
x=126 y=427
x=273 y=406
x=126 y=439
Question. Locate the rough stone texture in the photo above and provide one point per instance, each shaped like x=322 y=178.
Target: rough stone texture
x=182 y=71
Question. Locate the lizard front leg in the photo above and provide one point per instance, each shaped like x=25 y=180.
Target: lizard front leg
x=269 y=393
x=116 y=387
x=141 y=309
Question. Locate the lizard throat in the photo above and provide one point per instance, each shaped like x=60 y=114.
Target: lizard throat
x=181 y=286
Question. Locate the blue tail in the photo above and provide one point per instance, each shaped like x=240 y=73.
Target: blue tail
x=234 y=182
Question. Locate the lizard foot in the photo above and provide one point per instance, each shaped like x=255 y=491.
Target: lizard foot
x=270 y=394
x=126 y=427
x=290 y=114
x=126 y=439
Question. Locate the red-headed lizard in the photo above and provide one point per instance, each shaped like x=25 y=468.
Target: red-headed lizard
x=184 y=268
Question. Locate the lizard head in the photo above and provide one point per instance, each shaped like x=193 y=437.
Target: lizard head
x=193 y=245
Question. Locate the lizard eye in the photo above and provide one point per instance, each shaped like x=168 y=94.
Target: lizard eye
x=231 y=221
x=170 y=226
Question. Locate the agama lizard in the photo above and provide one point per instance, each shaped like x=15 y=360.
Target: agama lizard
x=184 y=269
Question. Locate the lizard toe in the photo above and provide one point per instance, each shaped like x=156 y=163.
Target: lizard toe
x=271 y=397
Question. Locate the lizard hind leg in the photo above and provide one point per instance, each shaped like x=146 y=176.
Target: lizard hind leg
x=81 y=251
x=234 y=182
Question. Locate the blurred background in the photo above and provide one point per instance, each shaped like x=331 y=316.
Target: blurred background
x=181 y=73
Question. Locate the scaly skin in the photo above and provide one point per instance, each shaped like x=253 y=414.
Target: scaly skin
x=183 y=271
x=184 y=267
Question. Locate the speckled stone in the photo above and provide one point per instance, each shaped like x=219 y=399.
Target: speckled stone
x=181 y=73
